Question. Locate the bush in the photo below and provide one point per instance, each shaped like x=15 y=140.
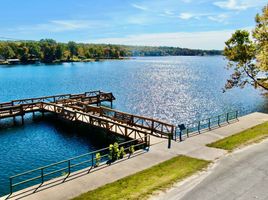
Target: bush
x=122 y=153
x=131 y=149
x=97 y=158
x=114 y=152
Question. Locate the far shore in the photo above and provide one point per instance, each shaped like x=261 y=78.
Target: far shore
x=17 y=61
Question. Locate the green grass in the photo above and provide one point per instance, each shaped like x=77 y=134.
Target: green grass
x=144 y=183
x=252 y=135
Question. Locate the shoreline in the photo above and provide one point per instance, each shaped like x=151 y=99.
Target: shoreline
x=90 y=60
x=63 y=61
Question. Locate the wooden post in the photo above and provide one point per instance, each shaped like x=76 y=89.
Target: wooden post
x=152 y=128
x=22 y=119
x=126 y=131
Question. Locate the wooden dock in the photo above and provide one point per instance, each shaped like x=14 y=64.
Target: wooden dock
x=79 y=107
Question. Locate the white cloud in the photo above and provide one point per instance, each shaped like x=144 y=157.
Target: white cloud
x=202 y=40
x=187 y=1
x=139 y=6
x=186 y=16
x=218 y=18
x=168 y=12
x=61 y=26
x=239 y=4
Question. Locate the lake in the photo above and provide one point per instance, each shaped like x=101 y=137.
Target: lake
x=173 y=89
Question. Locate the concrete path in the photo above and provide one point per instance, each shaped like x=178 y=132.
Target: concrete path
x=83 y=181
x=242 y=175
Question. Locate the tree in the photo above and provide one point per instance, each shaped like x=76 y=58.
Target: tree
x=248 y=57
x=73 y=48
x=6 y=52
x=48 y=47
x=34 y=49
x=23 y=52
x=59 y=52
x=261 y=35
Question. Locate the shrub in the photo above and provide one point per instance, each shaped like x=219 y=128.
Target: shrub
x=97 y=158
x=122 y=153
x=114 y=152
x=131 y=149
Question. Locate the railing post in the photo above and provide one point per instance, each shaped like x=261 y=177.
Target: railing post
x=218 y=120
x=146 y=141
x=227 y=118
x=42 y=175
x=152 y=128
x=75 y=114
x=236 y=114
x=169 y=141
x=209 y=124
x=92 y=159
x=11 y=185
x=198 y=127
x=172 y=131
x=69 y=166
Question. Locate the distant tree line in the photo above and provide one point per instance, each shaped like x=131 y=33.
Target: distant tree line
x=49 y=51
x=169 y=51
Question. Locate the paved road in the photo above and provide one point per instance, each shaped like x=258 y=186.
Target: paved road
x=241 y=176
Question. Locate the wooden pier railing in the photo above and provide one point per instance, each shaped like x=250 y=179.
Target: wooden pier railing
x=93 y=97
x=78 y=107
x=156 y=127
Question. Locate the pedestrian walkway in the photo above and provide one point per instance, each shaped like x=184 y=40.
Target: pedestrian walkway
x=195 y=146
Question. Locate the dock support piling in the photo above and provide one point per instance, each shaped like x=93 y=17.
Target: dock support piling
x=22 y=120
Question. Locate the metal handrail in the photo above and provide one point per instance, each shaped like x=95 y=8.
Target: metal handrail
x=145 y=141
x=208 y=123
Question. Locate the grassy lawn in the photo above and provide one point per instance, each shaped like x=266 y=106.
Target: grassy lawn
x=144 y=183
x=254 y=134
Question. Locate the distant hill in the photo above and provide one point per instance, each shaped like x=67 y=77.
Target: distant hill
x=169 y=51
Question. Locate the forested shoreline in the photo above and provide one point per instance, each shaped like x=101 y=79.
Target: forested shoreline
x=50 y=51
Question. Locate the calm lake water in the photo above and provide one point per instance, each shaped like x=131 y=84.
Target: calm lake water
x=174 y=89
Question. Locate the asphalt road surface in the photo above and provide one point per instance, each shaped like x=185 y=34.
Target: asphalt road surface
x=242 y=175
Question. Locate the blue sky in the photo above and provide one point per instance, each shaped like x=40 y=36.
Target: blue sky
x=185 y=23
